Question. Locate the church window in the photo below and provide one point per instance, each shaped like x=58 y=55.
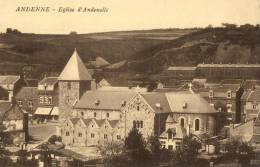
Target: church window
x=80 y=134
x=182 y=122
x=134 y=124
x=138 y=108
x=67 y=133
x=69 y=85
x=92 y=135
x=105 y=136
x=137 y=124
x=197 y=124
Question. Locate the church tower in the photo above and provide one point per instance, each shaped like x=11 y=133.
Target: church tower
x=73 y=81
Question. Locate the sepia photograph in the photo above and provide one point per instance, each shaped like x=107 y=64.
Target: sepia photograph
x=133 y=83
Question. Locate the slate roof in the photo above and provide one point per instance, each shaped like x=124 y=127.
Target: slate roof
x=27 y=93
x=158 y=102
x=189 y=103
x=49 y=81
x=75 y=70
x=107 y=100
x=9 y=79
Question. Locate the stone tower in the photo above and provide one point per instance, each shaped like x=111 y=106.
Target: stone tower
x=74 y=80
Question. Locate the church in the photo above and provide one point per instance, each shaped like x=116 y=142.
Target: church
x=91 y=116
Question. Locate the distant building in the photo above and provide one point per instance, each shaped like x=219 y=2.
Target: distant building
x=48 y=97
x=225 y=97
x=228 y=71
x=179 y=73
x=27 y=99
x=15 y=122
x=250 y=104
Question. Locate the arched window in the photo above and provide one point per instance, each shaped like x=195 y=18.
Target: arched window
x=197 y=124
x=134 y=124
x=182 y=122
x=137 y=124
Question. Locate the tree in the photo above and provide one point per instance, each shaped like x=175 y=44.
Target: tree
x=238 y=149
x=136 y=148
x=188 y=152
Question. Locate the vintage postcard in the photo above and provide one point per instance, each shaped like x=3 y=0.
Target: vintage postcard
x=130 y=83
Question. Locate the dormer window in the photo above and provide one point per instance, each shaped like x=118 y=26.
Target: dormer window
x=211 y=93
x=185 y=105
x=97 y=102
x=229 y=94
x=158 y=105
x=123 y=103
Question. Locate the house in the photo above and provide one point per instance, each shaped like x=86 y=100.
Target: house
x=11 y=84
x=15 y=121
x=27 y=99
x=225 y=98
x=250 y=104
x=48 y=94
x=173 y=135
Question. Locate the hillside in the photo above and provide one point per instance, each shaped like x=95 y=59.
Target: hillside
x=212 y=45
x=53 y=51
x=145 y=51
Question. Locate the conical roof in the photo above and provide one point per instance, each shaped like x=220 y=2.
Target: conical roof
x=75 y=70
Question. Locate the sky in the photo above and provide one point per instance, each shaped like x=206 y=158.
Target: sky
x=126 y=15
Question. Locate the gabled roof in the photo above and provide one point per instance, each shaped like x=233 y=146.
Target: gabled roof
x=106 y=100
x=74 y=120
x=28 y=93
x=75 y=70
x=189 y=103
x=251 y=95
x=158 y=102
x=49 y=81
x=103 y=82
x=169 y=119
x=8 y=79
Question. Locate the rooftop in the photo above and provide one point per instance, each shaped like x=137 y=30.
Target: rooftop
x=75 y=70
x=108 y=100
x=189 y=103
x=49 y=81
x=27 y=93
x=182 y=68
x=158 y=102
x=8 y=79
x=229 y=65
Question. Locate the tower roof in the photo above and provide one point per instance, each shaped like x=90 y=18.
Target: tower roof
x=75 y=70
